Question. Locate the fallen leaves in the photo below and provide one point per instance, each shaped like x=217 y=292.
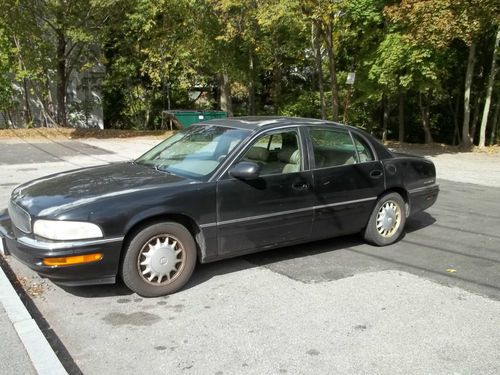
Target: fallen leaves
x=33 y=289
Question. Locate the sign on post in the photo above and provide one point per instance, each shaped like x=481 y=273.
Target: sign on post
x=350 y=78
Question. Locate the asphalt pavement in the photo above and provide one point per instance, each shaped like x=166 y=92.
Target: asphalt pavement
x=428 y=304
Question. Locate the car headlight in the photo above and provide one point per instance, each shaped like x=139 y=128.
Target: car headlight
x=66 y=230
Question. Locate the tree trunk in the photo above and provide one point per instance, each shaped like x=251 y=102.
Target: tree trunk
x=494 y=125
x=276 y=92
x=251 y=84
x=27 y=113
x=61 y=80
x=401 y=115
x=475 y=118
x=169 y=104
x=454 y=114
x=333 y=72
x=46 y=92
x=22 y=66
x=226 y=103
x=489 y=91
x=385 y=117
x=466 y=138
x=146 y=118
x=6 y=119
x=425 y=114
x=12 y=124
x=315 y=33
x=347 y=103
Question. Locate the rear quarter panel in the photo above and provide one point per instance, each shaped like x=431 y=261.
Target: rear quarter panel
x=416 y=175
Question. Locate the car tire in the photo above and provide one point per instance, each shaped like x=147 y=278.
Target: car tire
x=387 y=220
x=159 y=259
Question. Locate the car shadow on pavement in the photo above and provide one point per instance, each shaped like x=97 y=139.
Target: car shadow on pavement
x=418 y=221
x=205 y=272
x=98 y=291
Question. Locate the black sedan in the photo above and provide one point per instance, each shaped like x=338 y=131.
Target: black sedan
x=215 y=190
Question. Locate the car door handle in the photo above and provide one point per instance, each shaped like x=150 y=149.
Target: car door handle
x=376 y=173
x=300 y=186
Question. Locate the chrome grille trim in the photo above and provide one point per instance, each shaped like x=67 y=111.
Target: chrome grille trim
x=20 y=218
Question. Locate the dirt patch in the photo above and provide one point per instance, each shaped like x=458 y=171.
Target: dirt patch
x=439 y=148
x=69 y=133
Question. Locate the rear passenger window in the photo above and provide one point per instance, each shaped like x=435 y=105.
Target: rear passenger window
x=364 y=152
x=332 y=147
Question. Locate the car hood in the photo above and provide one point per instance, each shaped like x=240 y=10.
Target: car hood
x=54 y=194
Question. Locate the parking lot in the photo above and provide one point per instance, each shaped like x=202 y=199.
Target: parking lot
x=427 y=304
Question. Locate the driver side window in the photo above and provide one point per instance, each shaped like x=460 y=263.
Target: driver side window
x=276 y=153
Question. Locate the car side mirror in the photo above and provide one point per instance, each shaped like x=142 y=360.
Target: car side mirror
x=245 y=170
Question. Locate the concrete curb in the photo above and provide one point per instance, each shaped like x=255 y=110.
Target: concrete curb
x=42 y=355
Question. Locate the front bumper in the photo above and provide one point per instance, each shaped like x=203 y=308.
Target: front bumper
x=31 y=252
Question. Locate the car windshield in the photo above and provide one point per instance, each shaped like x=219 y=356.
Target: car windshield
x=194 y=152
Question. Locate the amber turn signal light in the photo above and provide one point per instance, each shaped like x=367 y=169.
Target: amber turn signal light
x=72 y=260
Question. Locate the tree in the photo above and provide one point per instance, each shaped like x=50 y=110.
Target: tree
x=53 y=36
x=398 y=65
x=438 y=23
x=489 y=91
x=6 y=68
x=323 y=15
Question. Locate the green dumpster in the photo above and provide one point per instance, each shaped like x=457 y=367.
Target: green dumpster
x=210 y=115
x=183 y=119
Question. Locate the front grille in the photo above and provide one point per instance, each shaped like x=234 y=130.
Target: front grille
x=20 y=218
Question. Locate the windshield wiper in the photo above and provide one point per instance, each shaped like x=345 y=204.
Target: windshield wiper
x=164 y=170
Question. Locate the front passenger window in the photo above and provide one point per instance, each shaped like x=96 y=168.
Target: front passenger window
x=276 y=153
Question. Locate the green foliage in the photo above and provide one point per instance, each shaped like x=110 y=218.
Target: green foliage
x=306 y=105
x=399 y=64
x=153 y=53
x=6 y=66
x=439 y=22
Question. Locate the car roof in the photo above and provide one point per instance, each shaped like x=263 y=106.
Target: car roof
x=260 y=122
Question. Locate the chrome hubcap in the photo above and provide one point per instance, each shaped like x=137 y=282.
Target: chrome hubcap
x=388 y=218
x=161 y=259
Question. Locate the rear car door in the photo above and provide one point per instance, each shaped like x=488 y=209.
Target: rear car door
x=273 y=209
x=348 y=178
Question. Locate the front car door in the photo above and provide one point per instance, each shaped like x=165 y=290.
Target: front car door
x=274 y=209
x=348 y=178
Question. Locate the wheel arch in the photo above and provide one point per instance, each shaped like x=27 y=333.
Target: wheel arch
x=401 y=191
x=188 y=222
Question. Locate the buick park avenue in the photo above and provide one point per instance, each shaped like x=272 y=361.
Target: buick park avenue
x=218 y=189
